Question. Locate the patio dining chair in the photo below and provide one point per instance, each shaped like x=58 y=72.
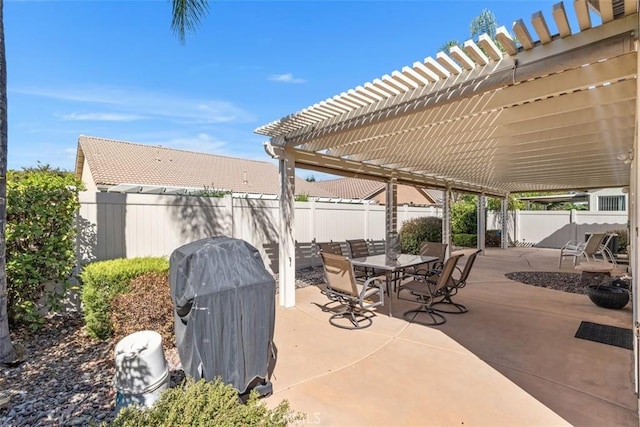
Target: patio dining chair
x=427 y=290
x=435 y=249
x=360 y=249
x=330 y=247
x=356 y=300
x=446 y=305
x=587 y=249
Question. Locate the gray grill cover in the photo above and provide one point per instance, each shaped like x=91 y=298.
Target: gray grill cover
x=224 y=303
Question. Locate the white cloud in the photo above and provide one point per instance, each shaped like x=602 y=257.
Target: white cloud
x=144 y=103
x=104 y=117
x=286 y=78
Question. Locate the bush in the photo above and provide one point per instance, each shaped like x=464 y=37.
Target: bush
x=465 y=240
x=205 y=404
x=493 y=238
x=40 y=239
x=464 y=217
x=622 y=240
x=103 y=280
x=418 y=230
x=147 y=306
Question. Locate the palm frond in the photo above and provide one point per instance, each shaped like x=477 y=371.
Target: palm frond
x=187 y=15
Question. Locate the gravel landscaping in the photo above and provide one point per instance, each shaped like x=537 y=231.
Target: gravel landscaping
x=67 y=378
x=567 y=282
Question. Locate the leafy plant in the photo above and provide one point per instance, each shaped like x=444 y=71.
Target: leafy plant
x=302 y=198
x=623 y=240
x=103 y=280
x=493 y=238
x=40 y=237
x=204 y=403
x=418 y=230
x=147 y=306
x=210 y=191
x=464 y=216
x=465 y=240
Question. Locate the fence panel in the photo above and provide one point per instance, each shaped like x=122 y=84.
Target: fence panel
x=119 y=225
x=552 y=229
x=547 y=229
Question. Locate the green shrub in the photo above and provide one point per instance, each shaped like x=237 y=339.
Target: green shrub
x=465 y=240
x=493 y=238
x=40 y=239
x=464 y=217
x=622 y=240
x=205 y=404
x=418 y=230
x=103 y=280
x=147 y=306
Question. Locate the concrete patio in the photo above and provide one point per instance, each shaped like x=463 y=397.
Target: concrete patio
x=511 y=360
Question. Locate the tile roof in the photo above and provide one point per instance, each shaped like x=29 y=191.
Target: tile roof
x=356 y=188
x=114 y=162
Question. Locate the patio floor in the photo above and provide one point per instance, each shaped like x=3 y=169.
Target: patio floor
x=511 y=360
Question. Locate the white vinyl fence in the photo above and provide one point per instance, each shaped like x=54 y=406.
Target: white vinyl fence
x=552 y=229
x=121 y=225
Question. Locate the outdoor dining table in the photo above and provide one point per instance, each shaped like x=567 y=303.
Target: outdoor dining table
x=393 y=268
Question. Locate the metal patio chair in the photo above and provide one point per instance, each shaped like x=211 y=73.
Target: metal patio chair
x=427 y=290
x=454 y=285
x=356 y=300
x=586 y=249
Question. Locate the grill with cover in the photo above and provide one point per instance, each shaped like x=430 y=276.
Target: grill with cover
x=224 y=306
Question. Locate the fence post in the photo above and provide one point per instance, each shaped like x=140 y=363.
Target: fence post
x=312 y=219
x=228 y=202
x=366 y=213
x=573 y=224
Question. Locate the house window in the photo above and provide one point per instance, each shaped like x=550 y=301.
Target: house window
x=611 y=203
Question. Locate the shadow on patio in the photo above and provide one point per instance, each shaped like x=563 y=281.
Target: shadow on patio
x=511 y=360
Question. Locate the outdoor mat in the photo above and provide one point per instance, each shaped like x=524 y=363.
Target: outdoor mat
x=612 y=335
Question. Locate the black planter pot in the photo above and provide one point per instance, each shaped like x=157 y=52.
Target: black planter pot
x=606 y=296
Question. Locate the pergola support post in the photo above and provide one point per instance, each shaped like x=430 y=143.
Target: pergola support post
x=446 y=220
x=287 y=258
x=504 y=209
x=634 y=238
x=391 y=212
x=482 y=222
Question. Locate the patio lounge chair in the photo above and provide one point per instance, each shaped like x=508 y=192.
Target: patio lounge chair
x=356 y=299
x=427 y=290
x=583 y=249
x=456 y=283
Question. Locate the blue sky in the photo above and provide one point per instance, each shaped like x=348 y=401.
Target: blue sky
x=114 y=69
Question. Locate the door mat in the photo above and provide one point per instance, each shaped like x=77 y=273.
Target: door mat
x=612 y=335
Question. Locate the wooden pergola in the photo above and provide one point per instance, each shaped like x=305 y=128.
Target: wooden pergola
x=546 y=113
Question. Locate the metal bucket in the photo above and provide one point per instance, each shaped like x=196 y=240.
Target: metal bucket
x=141 y=369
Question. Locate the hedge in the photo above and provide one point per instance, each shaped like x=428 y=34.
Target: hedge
x=465 y=240
x=40 y=240
x=103 y=280
x=418 y=230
